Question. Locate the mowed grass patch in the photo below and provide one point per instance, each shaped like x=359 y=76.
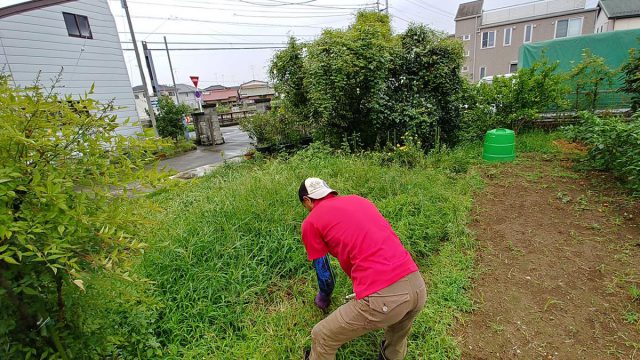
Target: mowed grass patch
x=231 y=273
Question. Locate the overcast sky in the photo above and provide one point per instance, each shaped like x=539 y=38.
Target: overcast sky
x=251 y=23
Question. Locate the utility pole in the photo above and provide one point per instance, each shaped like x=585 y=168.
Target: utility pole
x=152 y=115
x=386 y=6
x=171 y=69
x=378 y=5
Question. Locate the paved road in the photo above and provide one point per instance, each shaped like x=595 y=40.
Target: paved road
x=236 y=143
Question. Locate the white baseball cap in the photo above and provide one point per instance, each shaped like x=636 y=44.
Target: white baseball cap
x=315 y=188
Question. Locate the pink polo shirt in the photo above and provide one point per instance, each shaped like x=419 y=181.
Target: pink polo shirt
x=352 y=229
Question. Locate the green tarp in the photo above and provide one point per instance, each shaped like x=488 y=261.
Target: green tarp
x=613 y=46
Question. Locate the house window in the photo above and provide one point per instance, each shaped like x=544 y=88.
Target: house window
x=467 y=53
x=528 y=33
x=466 y=37
x=568 y=27
x=507 y=36
x=465 y=68
x=513 y=68
x=483 y=72
x=77 y=25
x=488 y=39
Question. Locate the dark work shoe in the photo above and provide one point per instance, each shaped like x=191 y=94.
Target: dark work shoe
x=307 y=353
x=381 y=355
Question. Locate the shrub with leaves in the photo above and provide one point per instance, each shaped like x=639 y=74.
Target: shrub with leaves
x=512 y=102
x=631 y=78
x=63 y=182
x=169 y=118
x=371 y=86
x=614 y=145
x=588 y=78
x=273 y=128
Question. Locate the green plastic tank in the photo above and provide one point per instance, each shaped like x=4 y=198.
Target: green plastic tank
x=499 y=145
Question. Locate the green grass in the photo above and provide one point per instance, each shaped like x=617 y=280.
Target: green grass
x=230 y=272
x=537 y=141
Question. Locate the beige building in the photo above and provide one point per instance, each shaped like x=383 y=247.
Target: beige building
x=618 y=15
x=492 y=38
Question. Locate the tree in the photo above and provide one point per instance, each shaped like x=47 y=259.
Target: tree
x=589 y=77
x=346 y=73
x=64 y=179
x=169 y=118
x=425 y=86
x=287 y=72
x=631 y=78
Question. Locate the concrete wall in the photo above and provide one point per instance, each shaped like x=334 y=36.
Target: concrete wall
x=38 y=41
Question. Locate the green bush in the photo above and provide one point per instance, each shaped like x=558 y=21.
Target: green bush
x=64 y=183
x=588 y=78
x=614 y=145
x=371 y=86
x=273 y=128
x=169 y=118
x=512 y=102
x=631 y=78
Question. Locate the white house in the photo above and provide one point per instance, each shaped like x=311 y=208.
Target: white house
x=77 y=37
x=186 y=95
x=618 y=15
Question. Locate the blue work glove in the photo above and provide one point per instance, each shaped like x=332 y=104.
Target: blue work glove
x=322 y=301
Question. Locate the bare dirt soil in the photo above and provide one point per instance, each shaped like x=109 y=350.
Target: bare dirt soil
x=558 y=253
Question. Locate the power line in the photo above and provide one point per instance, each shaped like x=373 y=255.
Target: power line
x=282 y=3
x=292 y=17
x=224 y=22
x=207 y=43
x=288 y=11
x=201 y=34
x=432 y=8
x=248 y=6
x=216 y=48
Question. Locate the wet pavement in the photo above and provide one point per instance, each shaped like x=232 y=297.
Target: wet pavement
x=237 y=142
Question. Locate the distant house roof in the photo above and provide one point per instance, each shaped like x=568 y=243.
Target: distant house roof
x=468 y=9
x=620 y=8
x=215 y=87
x=28 y=6
x=254 y=84
x=220 y=95
x=161 y=87
x=184 y=88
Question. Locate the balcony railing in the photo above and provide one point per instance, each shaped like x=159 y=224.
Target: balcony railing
x=532 y=9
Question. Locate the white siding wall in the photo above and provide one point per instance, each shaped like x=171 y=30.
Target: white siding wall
x=38 y=41
x=627 y=23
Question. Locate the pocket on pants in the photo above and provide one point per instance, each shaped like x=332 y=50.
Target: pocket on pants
x=385 y=304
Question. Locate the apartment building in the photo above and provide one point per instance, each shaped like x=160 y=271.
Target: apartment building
x=492 y=38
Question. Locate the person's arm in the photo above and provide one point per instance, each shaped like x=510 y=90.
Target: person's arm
x=326 y=282
x=317 y=253
x=324 y=273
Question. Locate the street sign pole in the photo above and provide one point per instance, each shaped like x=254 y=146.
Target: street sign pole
x=171 y=69
x=195 y=80
x=152 y=115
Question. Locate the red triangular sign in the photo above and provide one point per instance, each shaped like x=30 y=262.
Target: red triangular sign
x=194 y=80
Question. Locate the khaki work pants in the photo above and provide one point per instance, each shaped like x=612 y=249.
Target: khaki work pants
x=392 y=308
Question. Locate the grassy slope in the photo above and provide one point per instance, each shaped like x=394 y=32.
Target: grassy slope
x=231 y=272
